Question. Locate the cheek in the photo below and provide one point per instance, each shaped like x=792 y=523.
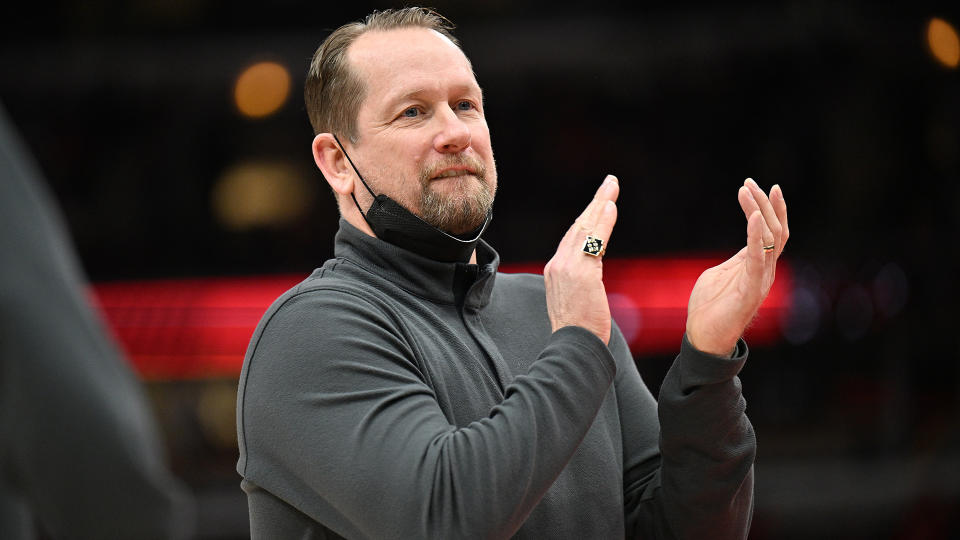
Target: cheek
x=481 y=143
x=419 y=165
x=487 y=155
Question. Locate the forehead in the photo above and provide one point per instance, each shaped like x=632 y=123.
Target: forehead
x=394 y=61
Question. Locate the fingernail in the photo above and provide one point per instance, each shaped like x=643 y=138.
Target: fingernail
x=610 y=178
x=749 y=181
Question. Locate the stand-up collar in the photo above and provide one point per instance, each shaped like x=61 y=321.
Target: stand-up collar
x=439 y=281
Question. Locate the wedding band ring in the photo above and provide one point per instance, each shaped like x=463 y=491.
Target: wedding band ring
x=768 y=249
x=594 y=247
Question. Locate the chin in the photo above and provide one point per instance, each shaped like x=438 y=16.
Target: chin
x=456 y=207
x=455 y=183
x=459 y=219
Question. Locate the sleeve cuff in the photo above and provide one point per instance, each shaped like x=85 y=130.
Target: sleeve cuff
x=698 y=368
x=588 y=341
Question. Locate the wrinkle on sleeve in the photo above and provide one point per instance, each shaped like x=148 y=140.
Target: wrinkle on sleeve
x=700 y=483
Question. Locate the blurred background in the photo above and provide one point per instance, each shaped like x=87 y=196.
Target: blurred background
x=174 y=136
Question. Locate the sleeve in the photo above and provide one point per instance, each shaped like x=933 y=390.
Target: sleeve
x=366 y=450
x=697 y=480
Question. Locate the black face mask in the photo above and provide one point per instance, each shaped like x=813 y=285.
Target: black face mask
x=393 y=223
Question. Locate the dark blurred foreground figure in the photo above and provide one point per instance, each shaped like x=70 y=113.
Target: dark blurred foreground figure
x=79 y=451
x=407 y=389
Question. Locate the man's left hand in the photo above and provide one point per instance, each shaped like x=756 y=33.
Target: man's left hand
x=726 y=297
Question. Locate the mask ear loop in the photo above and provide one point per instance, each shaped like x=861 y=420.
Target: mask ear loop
x=372 y=194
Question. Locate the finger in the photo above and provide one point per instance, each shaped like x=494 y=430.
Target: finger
x=586 y=217
x=780 y=207
x=609 y=191
x=755 y=258
x=766 y=209
x=747 y=204
x=607 y=219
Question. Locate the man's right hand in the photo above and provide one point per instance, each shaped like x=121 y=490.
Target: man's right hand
x=574 y=279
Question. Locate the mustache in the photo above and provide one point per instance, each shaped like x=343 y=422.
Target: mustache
x=474 y=165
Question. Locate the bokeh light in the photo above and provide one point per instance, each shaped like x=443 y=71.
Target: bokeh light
x=802 y=320
x=216 y=412
x=261 y=193
x=854 y=312
x=944 y=43
x=627 y=314
x=261 y=89
x=891 y=289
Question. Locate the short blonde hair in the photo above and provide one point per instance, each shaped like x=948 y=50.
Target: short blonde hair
x=333 y=93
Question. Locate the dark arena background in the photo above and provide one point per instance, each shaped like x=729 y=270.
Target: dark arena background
x=174 y=137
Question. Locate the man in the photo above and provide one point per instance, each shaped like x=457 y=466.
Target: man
x=80 y=455
x=407 y=390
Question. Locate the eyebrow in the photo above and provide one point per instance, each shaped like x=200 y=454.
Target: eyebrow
x=419 y=91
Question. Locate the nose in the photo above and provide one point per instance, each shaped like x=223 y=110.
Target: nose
x=454 y=135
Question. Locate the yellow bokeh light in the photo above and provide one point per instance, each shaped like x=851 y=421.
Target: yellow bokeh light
x=261 y=89
x=261 y=193
x=944 y=43
x=217 y=412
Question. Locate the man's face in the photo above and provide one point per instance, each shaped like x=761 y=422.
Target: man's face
x=422 y=136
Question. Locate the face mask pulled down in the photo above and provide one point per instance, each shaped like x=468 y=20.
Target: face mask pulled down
x=393 y=223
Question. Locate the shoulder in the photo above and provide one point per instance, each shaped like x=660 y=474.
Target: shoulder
x=330 y=289
x=319 y=312
x=314 y=328
x=323 y=299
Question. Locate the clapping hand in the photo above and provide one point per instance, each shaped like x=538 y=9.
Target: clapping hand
x=726 y=297
x=574 y=279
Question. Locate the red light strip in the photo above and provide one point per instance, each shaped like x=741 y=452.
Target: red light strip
x=200 y=328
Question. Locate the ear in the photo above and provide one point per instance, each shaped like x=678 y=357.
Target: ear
x=333 y=163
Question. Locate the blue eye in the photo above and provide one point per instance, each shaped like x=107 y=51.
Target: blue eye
x=412 y=112
x=464 y=105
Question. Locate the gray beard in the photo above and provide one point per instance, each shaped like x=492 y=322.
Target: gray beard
x=461 y=212
x=458 y=213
